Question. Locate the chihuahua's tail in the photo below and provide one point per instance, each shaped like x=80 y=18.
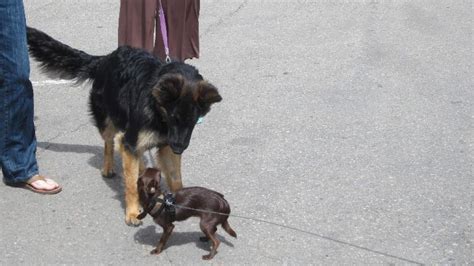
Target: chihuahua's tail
x=228 y=229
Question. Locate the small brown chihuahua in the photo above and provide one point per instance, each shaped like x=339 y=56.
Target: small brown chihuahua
x=184 y=205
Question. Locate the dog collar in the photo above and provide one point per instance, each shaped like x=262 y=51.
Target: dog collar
x=167 y=204
x=155 y=212
x=150 y=208
x=200 y=120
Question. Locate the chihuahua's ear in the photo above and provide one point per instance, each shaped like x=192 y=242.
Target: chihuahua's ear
x=207 y=95
x=168 y=88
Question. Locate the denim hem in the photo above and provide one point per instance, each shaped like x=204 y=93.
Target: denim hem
x=30 y=176
x=19 y=180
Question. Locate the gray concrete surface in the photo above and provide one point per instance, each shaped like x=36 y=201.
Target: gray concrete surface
x=349 y=119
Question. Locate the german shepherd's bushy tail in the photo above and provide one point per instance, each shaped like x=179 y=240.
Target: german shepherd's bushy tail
x=60 y=60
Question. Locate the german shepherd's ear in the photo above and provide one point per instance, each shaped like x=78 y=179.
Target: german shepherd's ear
x=168 y=88
x=207 y=95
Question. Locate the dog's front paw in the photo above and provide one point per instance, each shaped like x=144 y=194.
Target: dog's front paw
x=207 y=257
x=132 y=220
x=156 y=251
x=107 y=173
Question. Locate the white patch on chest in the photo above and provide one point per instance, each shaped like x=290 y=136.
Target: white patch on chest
x=147 y=139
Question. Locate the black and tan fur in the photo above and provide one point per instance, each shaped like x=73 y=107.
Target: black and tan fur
x=147 y=102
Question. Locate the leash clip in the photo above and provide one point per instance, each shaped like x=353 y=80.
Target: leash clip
x=164 y=32
x=169 y=200
x=169 y=206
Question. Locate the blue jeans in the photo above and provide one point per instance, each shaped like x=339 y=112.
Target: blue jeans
x=17 y=130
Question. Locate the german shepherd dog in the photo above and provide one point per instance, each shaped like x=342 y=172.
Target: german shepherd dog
x=147 y=102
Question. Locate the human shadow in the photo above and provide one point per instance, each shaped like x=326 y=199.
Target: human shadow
x=149 y=236
x=115 y=183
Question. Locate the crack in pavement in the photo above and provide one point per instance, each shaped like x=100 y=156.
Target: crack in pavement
x=60 y=135
x=221 y=20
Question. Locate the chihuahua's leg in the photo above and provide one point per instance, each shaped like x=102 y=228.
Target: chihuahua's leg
x=167 y=229
x=210 y=232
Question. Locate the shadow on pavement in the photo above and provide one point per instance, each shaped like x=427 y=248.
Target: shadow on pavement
x=149 y=236
x=95 y=161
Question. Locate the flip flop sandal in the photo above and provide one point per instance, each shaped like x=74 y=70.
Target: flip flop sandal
x=27 y=185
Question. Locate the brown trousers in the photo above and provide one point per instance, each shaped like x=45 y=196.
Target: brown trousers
x=139 y=26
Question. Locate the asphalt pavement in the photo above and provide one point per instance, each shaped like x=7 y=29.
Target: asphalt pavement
x=349 y=121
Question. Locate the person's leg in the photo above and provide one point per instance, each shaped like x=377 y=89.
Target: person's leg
x=182 y=20
x=191 y=43
x=17 y=132
x=137 y=23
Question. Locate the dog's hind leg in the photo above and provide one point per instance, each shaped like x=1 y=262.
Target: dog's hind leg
x=107 y=170
x=210 y=232
x=108 y=135
x=170 y=164
x=131 y=166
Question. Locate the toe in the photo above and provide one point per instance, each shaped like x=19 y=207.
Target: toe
x=42 y=185
x=51 y=182
x=132 y=220
x=108 y=174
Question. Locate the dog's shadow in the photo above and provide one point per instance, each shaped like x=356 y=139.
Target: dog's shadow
x=149 y=236
x=97 y=152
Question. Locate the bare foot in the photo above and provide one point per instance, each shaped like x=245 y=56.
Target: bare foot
x=42 y=185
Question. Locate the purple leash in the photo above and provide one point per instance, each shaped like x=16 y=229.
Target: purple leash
x=164 y=32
